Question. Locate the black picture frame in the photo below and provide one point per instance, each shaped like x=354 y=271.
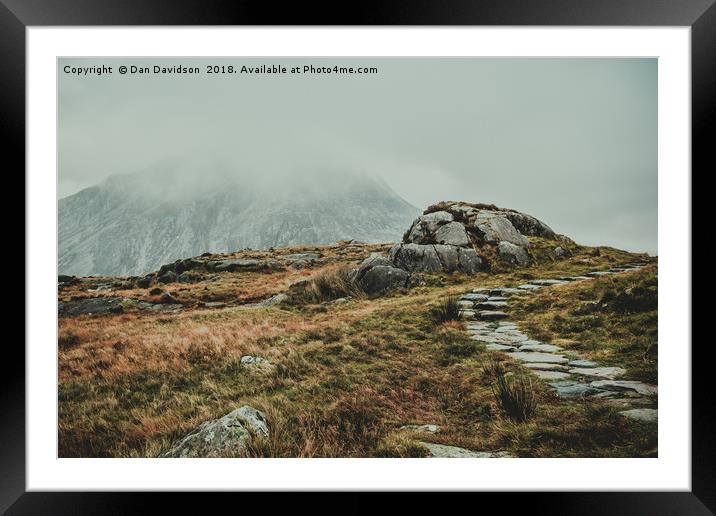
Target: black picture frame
x=700 y=15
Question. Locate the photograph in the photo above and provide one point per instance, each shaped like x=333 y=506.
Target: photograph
x=357 y=257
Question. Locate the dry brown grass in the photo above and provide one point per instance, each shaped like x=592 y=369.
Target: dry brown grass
x=344 y=377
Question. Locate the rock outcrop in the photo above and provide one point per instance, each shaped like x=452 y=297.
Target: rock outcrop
x=377 y=275
x=223 y=437
x=458 y=236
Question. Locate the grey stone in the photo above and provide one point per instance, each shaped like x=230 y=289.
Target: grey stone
x=470 y=262
x=226 y=436
x=559 y=252
x=499 y=347
x=551 y=375
x=90 y=306
x=415 y=258
x=496 y=298
x=447 y=254
x=427 y=429
x=370 y=262
x=465 y=304
x=545 y=367
x=467 y=314
x=598 y=273
x=528 y=286
x=300 y=256
x=495 y=228
x=188 y=277
x=491 y=315
x=145 y=281
x=506 y=292
x=548 y=282
x=452 y=233
x=167 y=277
x=249 y=360
x=626 y=385
x=531 y=356
x=491 y=305
x=528 y=225
x=453 y=452
x=274 y=300
x=513 y=254
x=381 y=279
x=570 y=389
x=426 y=225
x=475 y=297
x=547 y=348
x=642 y=414
x=239 y=265
x=599 y=372
x=582 y=363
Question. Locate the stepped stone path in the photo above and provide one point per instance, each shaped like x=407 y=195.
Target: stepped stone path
x=570 y=375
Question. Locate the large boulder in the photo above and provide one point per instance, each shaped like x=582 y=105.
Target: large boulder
x=377 y=275
x=452 y=233
x=470 y=262
x=416 y=258
x=461 y=236
x=513 y=254
x=381 y=279
x=496 y=227
x=223 y=437
x=528 y=225
x=426 y=225
x=435 y=258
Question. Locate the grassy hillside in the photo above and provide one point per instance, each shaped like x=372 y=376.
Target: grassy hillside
x=344 y=376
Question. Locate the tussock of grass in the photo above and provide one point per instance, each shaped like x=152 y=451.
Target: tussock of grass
x=326 y=285
x=514 y=394
x=447 y=309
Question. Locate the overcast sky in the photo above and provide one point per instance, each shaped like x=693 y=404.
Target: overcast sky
x=570 y=141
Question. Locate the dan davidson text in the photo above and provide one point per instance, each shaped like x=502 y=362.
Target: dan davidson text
x=224 y=69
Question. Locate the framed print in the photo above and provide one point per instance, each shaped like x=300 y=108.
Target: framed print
x=267 y=251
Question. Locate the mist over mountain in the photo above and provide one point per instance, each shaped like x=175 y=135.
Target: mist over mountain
x=131 y=224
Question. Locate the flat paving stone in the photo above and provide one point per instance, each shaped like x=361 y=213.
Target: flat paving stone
x=546 y=367
x=467 y=314
x=548 y=282
x=506 y=292
x=500 y=347
x=490 y=305
x=453 y=452
x=491 y=315
x=496 y=298
x=642 y=414
x=583 y=363
x=530 y=356
x=480 y=290
x=609 y=373
x=528 y=286
x=625 y=385
x=547 y=348
x=465 y=304
x=475 y=297
x=570 y=389
x=595 y=274
x=551 y=375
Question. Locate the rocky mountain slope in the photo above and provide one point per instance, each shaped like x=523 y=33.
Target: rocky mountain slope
x=132 y=224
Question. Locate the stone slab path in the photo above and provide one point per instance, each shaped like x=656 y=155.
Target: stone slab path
x=568 y=374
